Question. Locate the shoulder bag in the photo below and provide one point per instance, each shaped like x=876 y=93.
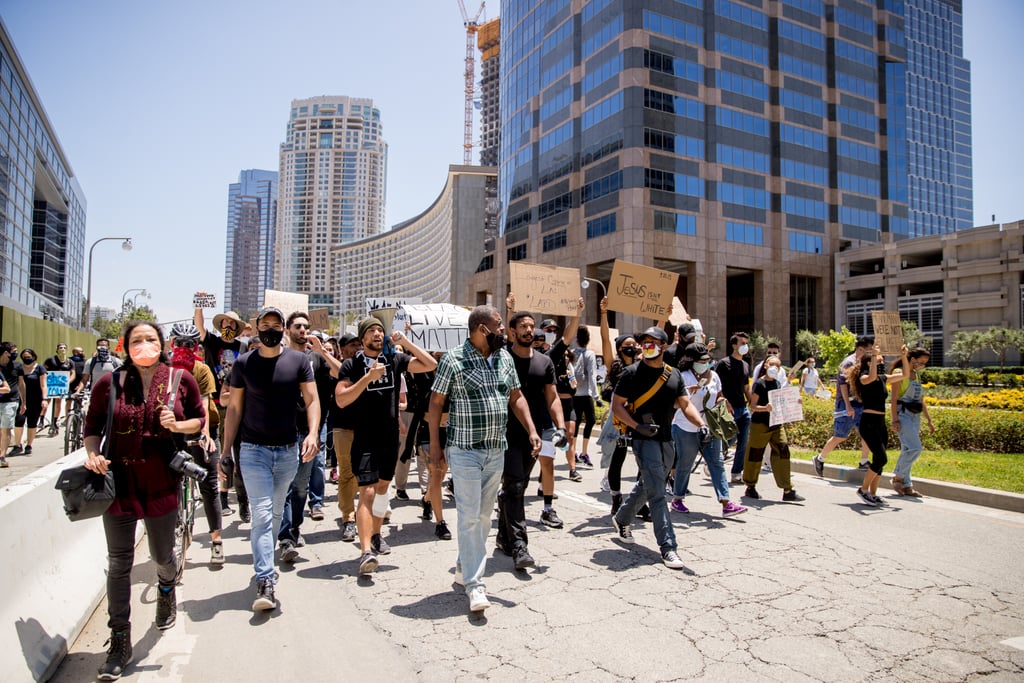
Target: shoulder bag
x=719 y=420
x=644 y=398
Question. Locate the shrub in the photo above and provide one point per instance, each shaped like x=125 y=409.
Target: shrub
x=1005 y=399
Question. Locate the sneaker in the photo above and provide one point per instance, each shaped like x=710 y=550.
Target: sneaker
x=225 y=510
x=550 y=518
x=731 y=509
x=3 y=461
x=867 y=498
x=217 y=553
x=428 y=511
x=767 y=468
x=244 y=515
x=387 y=515
x=368 y=564
x=265 y=599
x=348 y=532
x=726 y=455
x=401 y=494
x=791 y=496
x=863 y=465
x=605 y=486
x=522 y=559
x=584 y=459
x=316 y=513
x=879 y=502
x=478 y=601
x=751 y=492
x=623 y=534
x=540 y=494
x=575 y=476
x=616 y=502
x=27 y=451
x=333 y=477
x=118 y=656
x=736 y=480
x=644 y=513
x=672 y=560
x=379 y=545
x=442 y=532
x=289 y=553
x=166 y=608
x=678 y=506
x=449 y=486
x=15 y=450
x=819 y=466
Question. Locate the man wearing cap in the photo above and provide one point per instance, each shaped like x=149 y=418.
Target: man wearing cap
x=341 y=422
x=686 y=334
x=650 y=424
x=261 y=410
x=370 y=384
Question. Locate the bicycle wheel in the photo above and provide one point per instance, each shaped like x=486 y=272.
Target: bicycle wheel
x=181 y=532
x=73 y=433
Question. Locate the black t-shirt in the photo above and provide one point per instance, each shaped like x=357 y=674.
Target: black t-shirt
x=535 y=373
x=557 y=355
x=33 y=392
x=760 y=389
x=54 y=364
x=734 y=374
x=221 y=355
x=672 y=354
x=271 y=386
x=79 y=366
x=873 y=395
x=324 y=391
x=11 y=372
x=377 y=406
x=636 y=380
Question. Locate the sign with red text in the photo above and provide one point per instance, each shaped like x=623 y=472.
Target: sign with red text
x=641 y=290
x=787 y=406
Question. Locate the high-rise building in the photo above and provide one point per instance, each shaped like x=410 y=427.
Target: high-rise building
x=252 y=224
x=42 y=207
x=333 y=173
x=938 y=114
x=738 y=143
x=488 y=40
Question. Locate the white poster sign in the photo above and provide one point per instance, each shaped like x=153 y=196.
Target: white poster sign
x=433 y=327
x=385 y=302
x=786 y=406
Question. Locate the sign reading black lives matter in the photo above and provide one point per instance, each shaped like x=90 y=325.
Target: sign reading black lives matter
x=433 y=327
x=888 y=332
x=204 y=300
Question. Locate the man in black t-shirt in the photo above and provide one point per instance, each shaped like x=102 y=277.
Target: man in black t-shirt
x=650 y=424
x=370 y=383
x=59 y=362
x=537 y=380
x=221 y=350
x=734 y=372
x=261 y=412
x=10 y=400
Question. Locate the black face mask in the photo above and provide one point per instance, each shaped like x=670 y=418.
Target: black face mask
x=103 y=354
x=629 y=351
x=28 y=360
x=495 y=341
x=271 y=337
x=77 y=358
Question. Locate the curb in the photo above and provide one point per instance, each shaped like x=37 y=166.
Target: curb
x=974 y=495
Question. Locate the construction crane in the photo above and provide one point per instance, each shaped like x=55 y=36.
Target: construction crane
x=472 y=26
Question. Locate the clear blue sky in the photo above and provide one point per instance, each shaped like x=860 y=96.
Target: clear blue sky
x=159 y=106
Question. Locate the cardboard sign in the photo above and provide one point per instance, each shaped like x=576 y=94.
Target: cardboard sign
x=595 y=338
x=786 y=406
x=57 y=384
x=888 y=332
x=545 y=289
x=286 y=302
x=318 y=319
x=433 y=327
x=640 y=290
x=679 y=314
x=204 y=300
x=384 y=302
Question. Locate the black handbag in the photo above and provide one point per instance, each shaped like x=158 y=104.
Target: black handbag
x=85 y=493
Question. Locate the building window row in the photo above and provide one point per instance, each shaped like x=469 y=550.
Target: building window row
x=744 y=196
x=857 y=118
x=744 y=233
x=556 y=102
x=856 y=53
x=799 y=206
x=554 y=72
x=673 y=182
x=677 y=66
x=855 y=150
x=601 y=187
x=855 y=21
x=679 y=223
x=865 y=219
x=516 y=253
x=859 y=184
x=602 y=110
x=801 y=34
x=670 y=142
x=802 y=241
x=743 y=158
x=673 y=28
x=591 y=9
x=803 y=137
x=795 y=100
x=673 y=104
x=554 y=38
x=556 y=137
x=816 y=7
x=602 y=73
x=602 y=225
x=742 y=14
x=738 y=120
x=741 y=85
x=603 y=35
x=554 y=206
x=741 y=49
x=555 y=240
x=857 y=86
x=802 y=68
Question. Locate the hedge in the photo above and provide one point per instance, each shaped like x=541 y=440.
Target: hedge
x=984 y=377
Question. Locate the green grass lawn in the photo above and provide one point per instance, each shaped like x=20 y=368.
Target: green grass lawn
x=1001 y=471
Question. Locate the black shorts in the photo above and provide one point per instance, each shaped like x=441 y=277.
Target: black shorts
x=374 y=459
x=568 y=412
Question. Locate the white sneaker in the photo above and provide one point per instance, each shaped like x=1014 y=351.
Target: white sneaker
x=478 y=601
x=672 y=560
x=217 y=553
x=605 y=486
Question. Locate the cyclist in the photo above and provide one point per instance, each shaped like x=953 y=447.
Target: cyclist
x=184 y=339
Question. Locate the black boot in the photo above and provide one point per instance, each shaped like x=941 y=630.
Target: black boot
x=166 y=608
x=118 y=656
x=428 y=511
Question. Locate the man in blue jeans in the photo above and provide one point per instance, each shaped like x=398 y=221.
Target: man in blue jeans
x=479 y=381
x=265 y=386
x=734 y=372
x=645 y=399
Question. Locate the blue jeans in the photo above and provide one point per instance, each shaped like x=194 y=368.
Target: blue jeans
x=687 y=446
x=742 y=418
x=910 y=445
x=300 y=487
x=654 y=458
x=269 y=470
x=476 y=475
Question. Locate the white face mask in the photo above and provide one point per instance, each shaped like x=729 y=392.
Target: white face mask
x=744 y=349
x=701 y=368
x=549 y=338
x=774 y=372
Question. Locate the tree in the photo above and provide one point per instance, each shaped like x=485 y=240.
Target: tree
x=1000 y=340
x=833 y=347
x=914 y=337
x=806 y=344
x=759 y=345
x=965 y=345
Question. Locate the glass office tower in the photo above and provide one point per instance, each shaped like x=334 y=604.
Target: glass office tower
x=252 y=224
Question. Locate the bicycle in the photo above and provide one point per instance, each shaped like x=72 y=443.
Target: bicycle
x=188 y=501
x=74 y=429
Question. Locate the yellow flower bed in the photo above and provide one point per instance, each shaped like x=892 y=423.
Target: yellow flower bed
x=1003 y=399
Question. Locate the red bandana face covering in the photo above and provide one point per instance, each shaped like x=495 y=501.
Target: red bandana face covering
x=183 y=358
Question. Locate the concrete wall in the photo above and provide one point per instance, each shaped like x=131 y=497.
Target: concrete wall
x=54 y=574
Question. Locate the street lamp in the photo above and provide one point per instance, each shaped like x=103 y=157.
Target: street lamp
x=586 y=285
x=135 y=299
x=124 y=300
x=126 y=244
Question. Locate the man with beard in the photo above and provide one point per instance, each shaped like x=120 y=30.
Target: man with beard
x=536 y=375
x=102 y=363
x=370 y=383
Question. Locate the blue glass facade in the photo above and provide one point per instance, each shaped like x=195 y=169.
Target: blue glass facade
x=251 y=230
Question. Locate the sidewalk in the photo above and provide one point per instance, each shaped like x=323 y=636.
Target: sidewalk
x=45 y=449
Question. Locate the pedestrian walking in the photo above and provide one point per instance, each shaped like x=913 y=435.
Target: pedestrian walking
x=907 y=408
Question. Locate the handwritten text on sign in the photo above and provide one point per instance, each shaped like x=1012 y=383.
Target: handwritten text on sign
x=888 y=332
x=57 y=384
x=204 y=300
x=433 y=327
x=384 y=303
x=786 y=406
x=545 y=289
x=640 y=290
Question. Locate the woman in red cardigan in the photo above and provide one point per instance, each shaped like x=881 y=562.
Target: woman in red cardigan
x=141 y=446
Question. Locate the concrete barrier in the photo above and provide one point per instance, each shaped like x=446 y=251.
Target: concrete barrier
x=54 y=574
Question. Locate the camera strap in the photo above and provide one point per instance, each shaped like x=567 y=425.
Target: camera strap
x=173 y=391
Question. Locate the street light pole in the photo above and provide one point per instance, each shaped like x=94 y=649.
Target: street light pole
x=127 y=246
x=124 y=300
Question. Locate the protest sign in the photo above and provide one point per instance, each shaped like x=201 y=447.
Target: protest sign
x=545 y=289
x=318 y=319
x=888 y=332
x=786 y=406
x=595 y=338
x=433 y=327
x=286 y=302
x=824 y=394
x=698 y=327
x=204 y=300
x=679 y=314
x=641 y=290
x=57 y=384
x=385 y=302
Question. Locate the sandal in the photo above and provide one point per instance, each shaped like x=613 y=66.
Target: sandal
x=897 y=486
x=910 y=491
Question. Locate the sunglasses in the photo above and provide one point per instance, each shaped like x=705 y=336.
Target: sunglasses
x=300 y=326
x=185 y=344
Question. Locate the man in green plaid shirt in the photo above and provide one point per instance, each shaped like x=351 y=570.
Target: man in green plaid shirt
x=479 y=382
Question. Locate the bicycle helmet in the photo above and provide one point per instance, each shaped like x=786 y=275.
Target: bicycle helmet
x=185 y=331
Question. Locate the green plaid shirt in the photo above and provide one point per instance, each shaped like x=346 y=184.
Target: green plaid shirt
x=479 y=392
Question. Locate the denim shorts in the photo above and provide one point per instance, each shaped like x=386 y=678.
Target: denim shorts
x=843 y=424
x=8 y=413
